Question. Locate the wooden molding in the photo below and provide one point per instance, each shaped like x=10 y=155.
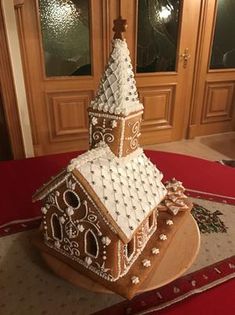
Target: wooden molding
x=198 y=58
x=8 y=94
x=159 y=107
x=18 y=3
x=24 y=58
x=218 y=102
x=67 y=114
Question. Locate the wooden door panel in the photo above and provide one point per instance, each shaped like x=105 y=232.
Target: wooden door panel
x=159 y=102
x=67 y=114
x=218 y=102
x=166 y=95
x=58 y=104
x=213 y=100
x=159 y=106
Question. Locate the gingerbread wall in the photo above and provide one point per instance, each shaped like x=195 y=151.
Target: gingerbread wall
x=72 y=225
x=119 y=132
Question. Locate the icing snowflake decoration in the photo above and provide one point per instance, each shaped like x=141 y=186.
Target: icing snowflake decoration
x=135 y=280
x=106 y=240
x=155 y=251
x=94 y=121
x=146 y=263
x=44 y=210
x=88 y=260
x=163 y=237
x=113 y=124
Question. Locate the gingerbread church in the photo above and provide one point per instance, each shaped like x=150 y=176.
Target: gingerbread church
x=108 y=215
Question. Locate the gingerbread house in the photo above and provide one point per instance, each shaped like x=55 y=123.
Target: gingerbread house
x=100 y=214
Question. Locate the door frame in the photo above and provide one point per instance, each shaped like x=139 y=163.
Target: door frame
x=202 y=120
x=9 y=95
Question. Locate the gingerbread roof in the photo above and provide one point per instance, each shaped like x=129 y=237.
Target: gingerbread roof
x=117 y=93
x=128 y=188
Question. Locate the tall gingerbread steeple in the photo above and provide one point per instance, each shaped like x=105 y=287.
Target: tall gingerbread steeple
x=115 y=113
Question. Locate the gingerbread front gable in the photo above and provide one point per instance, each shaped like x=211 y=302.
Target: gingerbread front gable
x=126 y=189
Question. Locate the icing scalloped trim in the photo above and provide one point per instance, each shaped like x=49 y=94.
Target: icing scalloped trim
x=102 y=150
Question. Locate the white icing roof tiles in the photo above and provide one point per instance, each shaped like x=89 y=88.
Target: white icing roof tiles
x=129 y=188
x=117 y=93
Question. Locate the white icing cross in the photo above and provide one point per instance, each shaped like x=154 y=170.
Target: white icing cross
x=162 y=237
x=88 y=260
x=106 y=240
x=146 y=263
x=155 y=251
x=44 y=210
x=135 y=280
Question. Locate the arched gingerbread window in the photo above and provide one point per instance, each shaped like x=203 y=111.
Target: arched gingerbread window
x=130 y=248
x=91 y=244
x=151 y=220
x=56 y=228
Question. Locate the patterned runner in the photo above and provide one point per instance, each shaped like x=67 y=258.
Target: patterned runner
x=27 y=286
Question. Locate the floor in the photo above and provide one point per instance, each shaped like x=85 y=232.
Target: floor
x=213 y=147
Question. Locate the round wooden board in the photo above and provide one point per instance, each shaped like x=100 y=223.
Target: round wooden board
x=180 y=255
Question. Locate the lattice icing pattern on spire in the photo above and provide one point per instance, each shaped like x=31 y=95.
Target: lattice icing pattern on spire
x=117 y=93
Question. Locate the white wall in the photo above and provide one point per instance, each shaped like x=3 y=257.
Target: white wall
x=14 y=48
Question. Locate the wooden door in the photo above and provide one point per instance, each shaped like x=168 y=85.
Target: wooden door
x=165 y=86
x=58 y=102
x=213 y=101
x=59 y=91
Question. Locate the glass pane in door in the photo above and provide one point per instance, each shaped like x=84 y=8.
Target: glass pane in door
x=158 y=26
x=66 y=37
x=223 y=49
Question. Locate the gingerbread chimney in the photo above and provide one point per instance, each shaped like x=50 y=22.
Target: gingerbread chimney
x=115 y=114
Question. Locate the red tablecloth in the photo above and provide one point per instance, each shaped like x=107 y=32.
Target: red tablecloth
x=21 y=178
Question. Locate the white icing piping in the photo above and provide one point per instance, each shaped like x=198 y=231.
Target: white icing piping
x=102 y=150
x=114 y=116
x=99 y=272
x=117 y=91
